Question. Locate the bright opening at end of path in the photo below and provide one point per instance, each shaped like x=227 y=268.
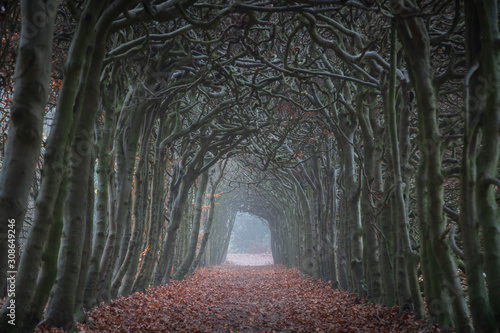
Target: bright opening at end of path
x=250 y=243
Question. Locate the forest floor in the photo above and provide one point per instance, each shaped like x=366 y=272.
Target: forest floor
x=247 y=298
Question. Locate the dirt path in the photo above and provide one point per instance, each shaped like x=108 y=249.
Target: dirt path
x=231 y=298
x=247 y=259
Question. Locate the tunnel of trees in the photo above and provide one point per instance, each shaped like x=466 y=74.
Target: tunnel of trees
x=250 y=235
x=365 y=132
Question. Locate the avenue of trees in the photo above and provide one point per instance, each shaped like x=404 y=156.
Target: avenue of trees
x=366 y=133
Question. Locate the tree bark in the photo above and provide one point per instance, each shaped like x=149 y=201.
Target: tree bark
x=352 y=210
x=207 y=226
x=141 y=185
x=101 y=210
x=162 y=275
x=482 y=313
x=61 y=305
x=369 y=187
x=415 y=40
x=406 y=260
x=55 y=162
x=48 y=270
x=79 y=314
x=193 y=239
x=126 y=142
x=157 y=208
x=488 y=158
x=32 y=77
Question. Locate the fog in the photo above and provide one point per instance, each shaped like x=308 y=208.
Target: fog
x=250 y=235
x=250 y=242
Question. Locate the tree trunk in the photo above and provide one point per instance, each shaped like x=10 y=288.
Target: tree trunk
x=352 y=212
x=32 y=77
x=415 y=40
x=369 y=187
x=101 y=210
x=79 y=315
x=55 y=163
x=121 y=249
x=488 y=158
x=141 y=186
x=342 y=248
x=157 y=209
x=482 y=313
x=321 y=218
x=193 y=239
x=125 y=147
x=332 y=226
x=61 y=305
x=387 y=251
x=309 y=263
x=162 y=275
x=406 y=260
x=207 y=226
x=48 y=270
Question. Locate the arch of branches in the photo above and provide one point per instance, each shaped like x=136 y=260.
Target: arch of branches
x=365 y=132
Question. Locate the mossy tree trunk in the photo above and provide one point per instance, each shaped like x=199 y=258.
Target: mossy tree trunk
x=101 y=209
x=32 y=77
x=207 y=226
x=48 y=270
x=351 y=205
x=488 y=158
x=406 y=260
x=370 y=192
x=162 y=273
x=79 y=314
x=480 y=307
x=150 y=250
x=415 y=39
x=61 y=305
x=126 y=142
x=195 y=229
x=55 y=162
x=123 y=280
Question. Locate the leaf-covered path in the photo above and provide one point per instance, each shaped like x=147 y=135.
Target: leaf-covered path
x=232 y=298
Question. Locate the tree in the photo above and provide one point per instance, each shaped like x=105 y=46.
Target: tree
x=32 y=78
